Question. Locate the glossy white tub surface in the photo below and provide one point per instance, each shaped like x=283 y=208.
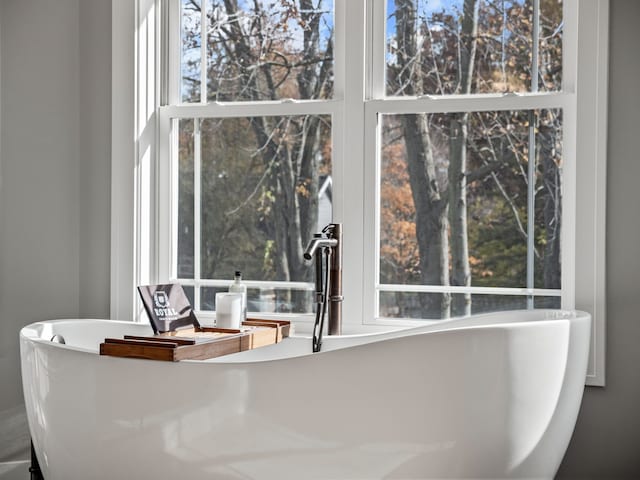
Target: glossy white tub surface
x=488 y=396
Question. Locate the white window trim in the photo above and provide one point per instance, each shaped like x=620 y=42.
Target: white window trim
x=135 y=121
x=123 y=154
x=591 y=149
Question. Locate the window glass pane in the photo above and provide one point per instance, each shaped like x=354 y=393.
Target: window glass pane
x=188 y=290
x=262 y=50
x=419 y=305
x=497 y=198
x=471 y=46
x=547 y=302
x=454 y=199
x=281 y=300
x=266 y=300
x=548 y=199
x=190 y=63
x=208 y=297
x=265 y=189
x=550 y=45
x=185 y=199
x=411 y=305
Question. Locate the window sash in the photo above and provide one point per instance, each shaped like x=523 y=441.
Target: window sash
x=169 y=116
x=174 y=109
x=379 y=103
x=472 y=103
x=171 y=45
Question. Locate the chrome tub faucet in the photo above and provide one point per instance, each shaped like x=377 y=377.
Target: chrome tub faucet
x=326 y=248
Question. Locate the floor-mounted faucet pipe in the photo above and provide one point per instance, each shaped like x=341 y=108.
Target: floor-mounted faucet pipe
x=323 y=274
x=326 y=248
x=335 y=281
x=320 y=288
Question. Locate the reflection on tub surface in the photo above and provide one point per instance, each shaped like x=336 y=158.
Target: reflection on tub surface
x=489 y=396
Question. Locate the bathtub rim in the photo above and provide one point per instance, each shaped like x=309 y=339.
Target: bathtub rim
x=33 y=333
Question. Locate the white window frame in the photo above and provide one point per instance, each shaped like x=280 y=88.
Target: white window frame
x=139 y=153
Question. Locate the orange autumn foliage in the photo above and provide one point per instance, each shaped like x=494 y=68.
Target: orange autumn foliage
x=398 y=245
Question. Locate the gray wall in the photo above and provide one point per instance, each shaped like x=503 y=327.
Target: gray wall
x=606 y=442
x=95 y=157
x=55 y=178
x=54 y=209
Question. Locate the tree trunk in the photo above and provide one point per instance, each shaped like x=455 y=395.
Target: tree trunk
x=431 y=213
x=457 y=190
x=430 y=206
x=460 y=270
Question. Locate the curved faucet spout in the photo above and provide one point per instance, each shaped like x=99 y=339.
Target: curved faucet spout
x=318 y=242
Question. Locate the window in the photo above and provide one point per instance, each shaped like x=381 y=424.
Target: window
x=469 y=199
x=252 y=121
x=448 y=137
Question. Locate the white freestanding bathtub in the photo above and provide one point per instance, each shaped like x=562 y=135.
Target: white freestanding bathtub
x=489 y=396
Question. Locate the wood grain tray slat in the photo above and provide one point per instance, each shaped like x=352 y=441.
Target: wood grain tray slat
x=197 y=343
x=159 y=338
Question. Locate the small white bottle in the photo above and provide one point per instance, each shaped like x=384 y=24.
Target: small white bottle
x=238 y=287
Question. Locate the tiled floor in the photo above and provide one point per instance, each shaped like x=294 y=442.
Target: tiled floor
x=14 y=435
x=14 y=444
x=14 y=471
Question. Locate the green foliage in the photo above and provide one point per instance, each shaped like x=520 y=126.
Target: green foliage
x=497 y=251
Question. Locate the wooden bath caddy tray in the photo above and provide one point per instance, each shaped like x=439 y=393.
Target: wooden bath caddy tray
x=197 y=343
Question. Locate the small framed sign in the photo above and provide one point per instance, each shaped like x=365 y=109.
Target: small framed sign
x=168 y=307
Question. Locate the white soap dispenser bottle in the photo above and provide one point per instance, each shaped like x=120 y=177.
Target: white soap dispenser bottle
x=238 y=287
